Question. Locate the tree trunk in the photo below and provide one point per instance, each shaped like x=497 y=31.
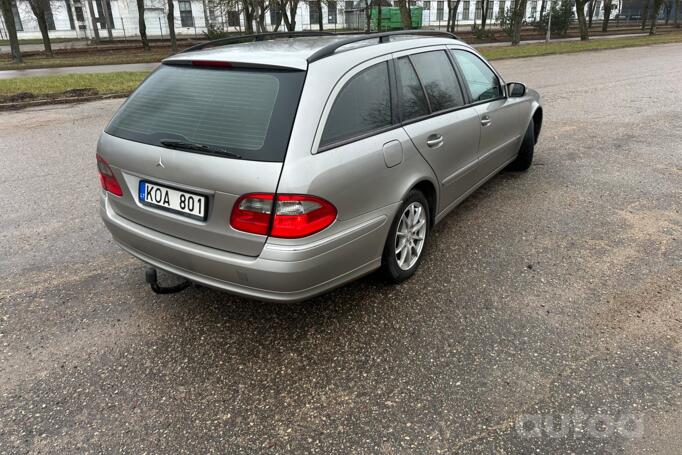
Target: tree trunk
x=11 y=27
x=677 y=14
x=607 y=16
x=290 y=17
x=519 y=13
x=107 y=19
x=95 y=26
x=379 y=15
x=142 y=25
x=248 y=16
x=171 y=26
x=320 y=24
x=580 y=11
x=591 y=8
x=654 y=16
x=645 y=13
x=405 y=14
x=543 y=5
x=39 y=13
x=368 y=16
x=454 y=16
x=449 y=21
x=484 y=13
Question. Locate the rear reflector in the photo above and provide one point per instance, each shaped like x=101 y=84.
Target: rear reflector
x=294 y=215
x=107 y=178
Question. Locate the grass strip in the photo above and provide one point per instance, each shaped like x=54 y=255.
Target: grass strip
x=568 y=47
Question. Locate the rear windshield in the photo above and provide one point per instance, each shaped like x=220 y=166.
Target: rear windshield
x=249 y=112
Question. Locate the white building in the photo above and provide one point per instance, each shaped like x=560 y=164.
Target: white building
x=73 y=18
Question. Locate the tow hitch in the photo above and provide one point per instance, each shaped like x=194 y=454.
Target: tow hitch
x=151 y=278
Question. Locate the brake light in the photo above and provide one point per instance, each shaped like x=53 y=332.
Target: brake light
x=107 y=178
x=293 y=216
x=211 y=63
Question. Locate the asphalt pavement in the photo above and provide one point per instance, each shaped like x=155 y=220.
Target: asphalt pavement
x=545 y=318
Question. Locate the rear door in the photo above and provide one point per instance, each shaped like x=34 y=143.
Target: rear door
x=500 y=117
x=237 y=121
x=434 y=115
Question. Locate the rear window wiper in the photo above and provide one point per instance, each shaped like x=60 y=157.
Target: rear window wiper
x=203 y=148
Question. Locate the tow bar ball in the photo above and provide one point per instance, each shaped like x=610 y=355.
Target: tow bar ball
x=152 y=278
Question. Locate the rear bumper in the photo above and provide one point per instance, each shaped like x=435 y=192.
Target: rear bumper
x=282 y=273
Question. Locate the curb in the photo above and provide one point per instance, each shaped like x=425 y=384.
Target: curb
x=70 y=100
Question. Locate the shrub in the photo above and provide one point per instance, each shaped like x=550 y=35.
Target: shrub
x=483 y=34
x=214 y=32
x=562 y=15
x=506 y=21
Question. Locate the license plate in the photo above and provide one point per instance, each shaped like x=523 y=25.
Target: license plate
x=171 y=200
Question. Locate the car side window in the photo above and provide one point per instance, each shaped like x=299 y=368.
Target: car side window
x=363 y=105
x=439 y=80
x=481 y=80
x=413 y=102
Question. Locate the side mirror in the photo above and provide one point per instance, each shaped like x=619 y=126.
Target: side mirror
x=516 y=90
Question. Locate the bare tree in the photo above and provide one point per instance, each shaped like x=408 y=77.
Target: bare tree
x=368 y=16
x=645 y=13
x=38 y=7
x=654 y=16
x=608 y=6
x=320 y=25
x=485 y=6
x=405 y=16
x=289 y=9
x=11 y=27
x=142 y=25
x=453 y=7
x=592 y=5
x=518 y=15
x=582 y=21
x=543 y=5
x=171 y=26
x=676 y=21
x=95 y=26
x=261 y=8
x=276 y=6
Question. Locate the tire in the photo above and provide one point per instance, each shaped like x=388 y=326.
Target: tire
x=525 y=156
x=398 y=267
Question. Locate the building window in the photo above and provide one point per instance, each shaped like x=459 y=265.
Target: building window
x=503 y=7
x=233 y=19
x=413 y=3
x=186 y=19
x=490 y=9
x=314 y=12
x=465 y=11
x=100 y=15
x=331 y=12
x=439 y=10
x=533 y=8
x=427 y=5
x=79 y=14
x=479 y=14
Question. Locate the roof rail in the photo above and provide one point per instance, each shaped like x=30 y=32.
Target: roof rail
x=384 y=37
x=254 y=37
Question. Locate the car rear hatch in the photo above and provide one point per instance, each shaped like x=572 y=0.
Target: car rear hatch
x=201 y=133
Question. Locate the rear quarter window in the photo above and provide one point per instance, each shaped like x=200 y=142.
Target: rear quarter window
x=247 y=111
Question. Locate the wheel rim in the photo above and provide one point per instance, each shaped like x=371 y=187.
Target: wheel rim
x=410 y=236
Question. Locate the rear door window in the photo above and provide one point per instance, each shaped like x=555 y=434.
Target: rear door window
x=363 y=105
x=413 y=101
x=249 y=112
x=482 y=82
x=439 y=80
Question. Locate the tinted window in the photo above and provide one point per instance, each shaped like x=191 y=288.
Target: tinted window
x=363 y=105
x=482 y=82
x=439 y=80
x=412 y=98
x=249 y=112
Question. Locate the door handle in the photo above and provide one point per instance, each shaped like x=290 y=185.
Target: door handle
x=485 y=120
x=435 y=140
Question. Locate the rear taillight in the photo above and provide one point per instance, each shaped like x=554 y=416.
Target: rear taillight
x=107 y=178
x=293 y=216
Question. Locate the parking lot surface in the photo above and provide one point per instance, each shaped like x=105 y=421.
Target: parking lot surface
x=556 y=292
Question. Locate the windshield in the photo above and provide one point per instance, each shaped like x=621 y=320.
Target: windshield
x=247 y=112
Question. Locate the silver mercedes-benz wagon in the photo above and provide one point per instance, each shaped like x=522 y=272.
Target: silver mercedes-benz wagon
x=279 y=166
